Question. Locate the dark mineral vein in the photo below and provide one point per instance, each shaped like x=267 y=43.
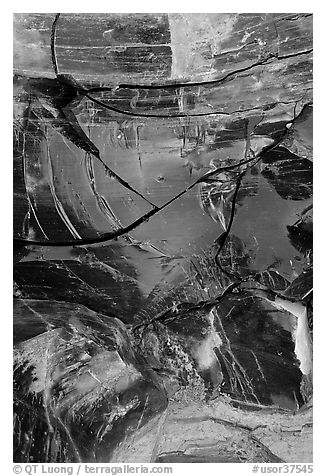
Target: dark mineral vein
x=115 y=234
x=200 y=83
x=229 y=75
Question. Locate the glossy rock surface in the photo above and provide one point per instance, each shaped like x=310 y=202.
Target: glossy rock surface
x=157 y=222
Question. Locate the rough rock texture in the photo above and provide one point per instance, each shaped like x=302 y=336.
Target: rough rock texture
x=162 y=206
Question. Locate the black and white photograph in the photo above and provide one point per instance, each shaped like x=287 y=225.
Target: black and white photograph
x=162 y=241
